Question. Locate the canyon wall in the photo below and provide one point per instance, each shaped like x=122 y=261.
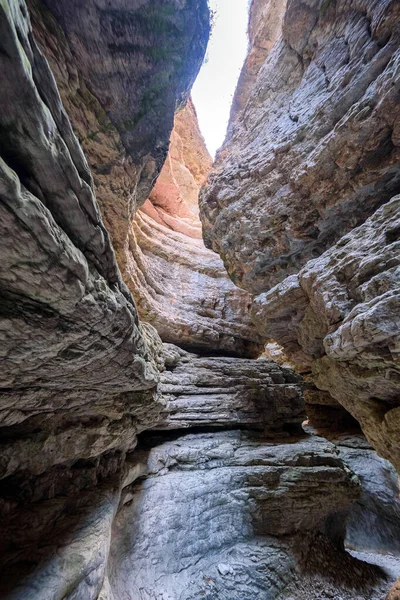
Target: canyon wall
x=312 y=153
x=179 y=286
x=72 y=344
x=132 y=467
x=314 y=150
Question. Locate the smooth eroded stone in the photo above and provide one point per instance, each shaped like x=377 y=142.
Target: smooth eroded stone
x=217 y=514
x=179 y=286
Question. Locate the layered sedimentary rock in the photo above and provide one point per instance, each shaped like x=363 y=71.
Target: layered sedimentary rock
x=139 y=62
x=71 y=339
x=179 y=286
x=312 y=151
x=264 y=28
x=173 y=201
x=225 y=496
x=224 y=391
x=79 y=370
x=196 y=514
x=315 y=149
x=340 y=316
x=183 y=290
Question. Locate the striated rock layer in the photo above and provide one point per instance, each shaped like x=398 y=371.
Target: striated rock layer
x=79 y=371
x=222 y=392
x=312 y=151
x=173 y=201
x=240 y=504
x=179 y=287
x=340 y=315
x=183 y=290
x=194 y=514
x=315 y=148
x=71 y=339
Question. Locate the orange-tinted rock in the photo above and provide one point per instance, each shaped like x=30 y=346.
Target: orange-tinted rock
x=173 y=201
x=394 y=593
x=180 y=286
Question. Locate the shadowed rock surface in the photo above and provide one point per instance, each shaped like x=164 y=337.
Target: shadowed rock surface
x=95 y=523
x=222 y=392
x=79 y=371
x=223 y=502
x=373 y=523
x=71 y=338
x=139 y=60
x=340 y=315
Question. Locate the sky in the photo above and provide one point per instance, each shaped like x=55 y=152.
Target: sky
x=214 y=87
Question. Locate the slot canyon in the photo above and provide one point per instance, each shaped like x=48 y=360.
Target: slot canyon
x=200 y=382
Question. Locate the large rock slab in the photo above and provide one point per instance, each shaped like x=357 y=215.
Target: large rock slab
x=315 y=148
x=219 y=516
x=213 y=515
x=246 y=511
x=340 y=316
x=68 y=319
x=373 y=522
x=222 y=392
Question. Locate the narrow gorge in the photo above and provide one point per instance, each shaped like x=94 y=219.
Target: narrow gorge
x=200 y=383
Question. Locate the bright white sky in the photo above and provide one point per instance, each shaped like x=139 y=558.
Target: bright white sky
x=213 y=90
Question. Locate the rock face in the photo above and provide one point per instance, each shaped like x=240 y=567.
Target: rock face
x=222 y=392
x=264 y=28
x=139 y=62
x=182 y=289
x=191 y=514
x=79 y=370
x=179 y=287
x=373 y=522
x=315 y=148
x=173 y=201
x=203 y=548
x=225 y=496
x=340 y=316
x=199 y=514
x=71 y=339
x=312 y=151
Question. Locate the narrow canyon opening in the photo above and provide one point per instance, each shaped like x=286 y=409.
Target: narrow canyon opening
x=200 y=386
